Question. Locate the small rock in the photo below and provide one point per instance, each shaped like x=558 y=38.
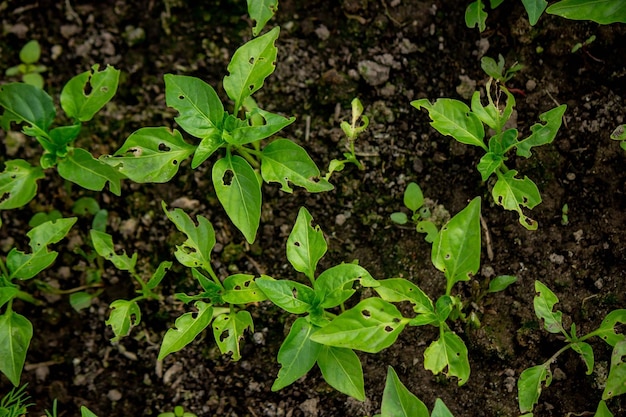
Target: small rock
x=531 y=85
x=114 y=395
x=373 y=73
x=322 y=32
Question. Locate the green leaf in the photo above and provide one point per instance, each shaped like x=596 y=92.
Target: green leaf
x=586 y=353
x=250 y=65
x=239 y=191
x=453 y=118
x=544 y=304
x=603 y=410
x=489 y=115
x=125 y=315
x=103 y=244
x=297 y=354
x=607 y=329
x=305 y=245
x=514 y=193
x=242 y=289
x=440 y=409
x=456 y=249
x=542 y=134
x=158 y=275
x=30 y=52
x=15 y=335
x=529 y=386
x=398 y=401
x=81 y=300
x=534 y=8
x=85 y=412
x=206 y=148
x=341 y=368
x=616 y=381
x=413 y=197
x=291 y=296
x=28 y=104
x=85 y=94
x=475 y=15
x=619 y=133
x=186 y=328
x=25 y=266
x=334 y=285
x=428 y=227
x=503 y=141
x=195 y=252
x=261 y=11
x=83 y=169
x=34 y=79
x=500 y=283
x=399 y=217
x=284 y=161
x=151 y=154
x=7 y=294
x=200 y=109
x=488 y=164
x=396 y=290
x=449 y=351
x=600 y=11
x=371 y=326
x=18 y=183
x=270 y=123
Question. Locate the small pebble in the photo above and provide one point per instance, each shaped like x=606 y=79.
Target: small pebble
x=114 y=395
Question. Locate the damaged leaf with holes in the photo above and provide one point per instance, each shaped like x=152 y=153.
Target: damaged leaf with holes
x=465 y=124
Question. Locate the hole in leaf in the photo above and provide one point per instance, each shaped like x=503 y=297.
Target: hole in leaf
x=163 y=147
x=251 y=87
x=224 y=335
x=181 y=97
x=174 y=162
x=251 y=61
x=296 y=244
x=87 y=88
x=227 y=179
x=388 y=329
x=366 y=314
x=237 y=288
x=448 y=256
x=396 y=320
x=294 y=292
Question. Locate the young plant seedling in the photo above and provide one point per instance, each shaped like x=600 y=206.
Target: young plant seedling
x=29 y=69
x=178 y=412
x=454 y=118
x=352 y=130
x=125 y=314
x=81 y=98
x=15 y=402
x=399 y=401
x=620 y=134
x=497 y=71
x=530 y=383
x=153 y=154
x=422 y=209
x=16 y=331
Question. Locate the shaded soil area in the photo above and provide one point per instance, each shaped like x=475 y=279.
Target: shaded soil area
x=387 y=53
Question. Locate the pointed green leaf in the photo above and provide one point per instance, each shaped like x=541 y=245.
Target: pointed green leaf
x=26 y=265
x=186 y=328
x=603 y=410
x=529 y=386
x=607 y=330
x=83 y=169
x=103 y=244
x=25 y=103
x=453 y=118
x=261 y=11
x=413 y=197
x=291 y=296
x=250 y=65
x=544 y=303
x=85 y=412
x=542 y=134
x=206 y=148
x=18 y=183
x=500 y=283
x=15 y=335
x=158 y=275
x=270 y=123
x=440 y=409
x=297 y=354
x=456 y=249
x=125 y=315
x=239 y=191
x=151 y=154
x=586 y=353
x=334 y=285
x=284 y=161
x=242 y=289
x=475 y=15
x=616 y=381
x=535 y=9
x=371 y=326
x=305 y=245
x=449 y=351
x=396 y=290
x=489 y=114
x=7 y=294
x=195 y=252
x=488 y=164
x=341 y=368
x=600 y=11
x=200 y=109
x=514 y=193
x=85 y=94
x=398 y=401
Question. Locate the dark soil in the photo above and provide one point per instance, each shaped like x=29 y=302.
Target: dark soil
x=424 y=48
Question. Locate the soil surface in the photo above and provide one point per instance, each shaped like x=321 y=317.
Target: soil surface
x=411 y=50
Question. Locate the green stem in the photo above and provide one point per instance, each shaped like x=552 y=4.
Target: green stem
x=3 y=269
x=248 y=153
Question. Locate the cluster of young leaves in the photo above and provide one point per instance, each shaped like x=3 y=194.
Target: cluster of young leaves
x=531 y=380
x=29 y=69
x=352 y=130
x=619 y=134
x=81 y=98
x=16 y=331
x=421 y=215
x=125 y=314
x=604 y=12
x=153 y=154
x=466 y=125
x=398 y=401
